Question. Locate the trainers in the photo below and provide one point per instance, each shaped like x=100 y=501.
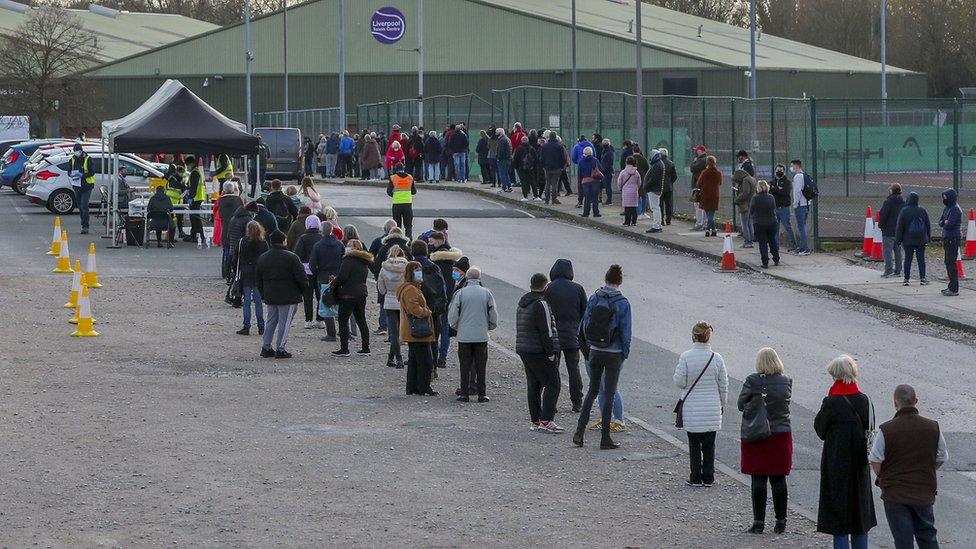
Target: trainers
x=267 y=353
x=556 y=202
x=261 y=331
x=905 y=283
x=320 y=325
x=887 y=275
x=550 y=427
x=327 y=338
x=243 y=332
x=616 y=426
x=693 y=484
x=535 y=426
x=309 y=325
x=524 y=199
x=949 y=293
x=924 y=282
x=341 y=352
x=363 y=352
x=282 y=354
x=596 y=425
x=380 y=331
x=804 y=252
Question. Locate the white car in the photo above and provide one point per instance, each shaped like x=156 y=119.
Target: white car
x=50 y=184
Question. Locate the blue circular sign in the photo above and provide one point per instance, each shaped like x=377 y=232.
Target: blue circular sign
x=388 y=25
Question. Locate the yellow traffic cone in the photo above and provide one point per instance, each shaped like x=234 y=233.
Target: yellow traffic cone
x=64 y=260
x=85 y=321
x=75 y=287
x=90 y=274
x=56 y=239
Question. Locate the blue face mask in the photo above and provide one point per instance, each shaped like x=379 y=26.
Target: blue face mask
x=418 y=276
x=792 y=170
x=455 y=276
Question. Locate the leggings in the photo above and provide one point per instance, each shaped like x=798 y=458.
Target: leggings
x=310 y=298
x=778 y=484
x=630 y=215
x=527 y=183
x=355 y=307
x=393 y=331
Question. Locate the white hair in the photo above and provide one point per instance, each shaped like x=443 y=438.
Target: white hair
x=499 y=131
x=588 y=151
x=606 y=141
x=432 y=133
x=518 y=125
x=843 y=368
x=229 y=187
x=473 y=273
x=548 y=134
x=663 y=151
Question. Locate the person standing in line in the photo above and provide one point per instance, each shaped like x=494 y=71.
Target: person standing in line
x=311 y=197
x=281 y=282
x=537 y=344
x=708 y=185
x=567 y=300
x=769 y=460
x=606 y=166
x=782 y=190
x=413 y=306
x=389 y=280
x=401 y=189
x=762 y=212
x=801 y=206
x=297 y=228
x=653 y=188
x=643 y=166
x=434 y=288
x=459 y=148
x=248 y=251
x=576 y=156
x=227 y=205
x=667 y=192
x=906 y=455
x=846 y=509
x=589 y=187
x=303 y=248
x=351 y=293
x=697 y=167
x=504 y=159
x=370 y=159
x=745 y=162
x=331 y=154
x=704 y=402
x=320 y=145
x=308 y=155
x=347 y=146
x=432 y=157
x=607 y=328
x=553 y=165
x=442 y=254
x=951 y=223
x=913 y=231
x=472 y=315
x=888 y=223
x=525 y=165
x=744 y=187
x=493 y=155
x=324 y=263
x=564 y=176
x=482 y=149
x=629 y=182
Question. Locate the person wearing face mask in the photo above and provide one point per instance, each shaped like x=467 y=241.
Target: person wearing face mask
x=83 y=180
x=413 y=305
x=782 y=190
x=951 y=223
x=443 y=255
x=351 y=292
x=401 y=189
x=801 y=206
x=472 y=314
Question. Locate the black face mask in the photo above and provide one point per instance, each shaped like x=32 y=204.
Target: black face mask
x=946 y=202
x=779 y=173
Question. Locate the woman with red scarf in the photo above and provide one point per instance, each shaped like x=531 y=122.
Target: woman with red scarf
x=846 y=508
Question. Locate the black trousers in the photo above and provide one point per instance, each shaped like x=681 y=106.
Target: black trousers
x=778 y=484
x=355 y=307
x=667 y=206
x=572 y=356
x=630 y=215
x=951 y=248
x=403 y=215
x=196 y=222
x=419 y=366
x=542 y=386
x=528 y=188
x=564 y=180
x=393 y=331
x=607 y=366
x=474 y=360
x=311 y=298
x=701 y=449
x=344 y=165
x=486 y=175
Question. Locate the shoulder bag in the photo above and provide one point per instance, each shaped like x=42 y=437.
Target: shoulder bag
x=235 y=293
x=420 y=328
x=679 y=420
x=596 y=174
x=869 y=429
x=755 y=420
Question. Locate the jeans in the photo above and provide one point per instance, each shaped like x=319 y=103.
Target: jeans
x=344 y=165
x=908 y=521
x=572 y=357
x=601 y=399
x=494 y=179
x=608 y=183
x=552 y=184
x=330 y=164
x=700 y=217
x=419 y=367
x=542 y=386
x=780 y=496
x=783 y=215
x=654 y=205
x=251 y=294
x=474 y=359
x=892 y=255
x=919 y=252
x=432 y=171
x=709 y=220
x=461 y=166
x=604 y=374
x=951 y=247
x=767 y=235
x=403 y=215
x=503 y=175
x=851 y=542
x=309 y=166
x=748 y=232
x=393 y=325
x=443 y=340
x=352 y=307
x=590 y=193
x=701 y=452
x=279 y=320
x=84 y=198
x=801 y=213
x=641 y=204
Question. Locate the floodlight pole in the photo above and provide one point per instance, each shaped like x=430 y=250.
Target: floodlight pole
x=884 y=62
x=640 y=78
x=248 y=57
x=752 y=50
x=420 y=63
x=284 y=33
x=342 y=65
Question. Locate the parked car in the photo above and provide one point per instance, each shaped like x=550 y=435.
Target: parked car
x=284 y=152
x=55 y=149
x=12 y=163
x=50 y=185
x=7 y=143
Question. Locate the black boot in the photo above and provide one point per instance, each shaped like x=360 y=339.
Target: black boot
x=758 y=527
x=780 y=527
x=578 y=437
x=608 y=444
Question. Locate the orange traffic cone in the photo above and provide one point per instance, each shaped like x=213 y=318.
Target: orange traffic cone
x=877 y=243
x=728 y=255
x=56 y=239
x=75 y=287
x=960 y=270
x=868 y=234
x=64 y=260
x=969 y=252
x=90 y=275
x=85 y=321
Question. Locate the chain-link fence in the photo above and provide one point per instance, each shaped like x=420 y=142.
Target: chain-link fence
x=439 y=112
x=312 y=122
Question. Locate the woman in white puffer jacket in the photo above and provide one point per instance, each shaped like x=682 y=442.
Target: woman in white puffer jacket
x=704 y=403
x=389 y=279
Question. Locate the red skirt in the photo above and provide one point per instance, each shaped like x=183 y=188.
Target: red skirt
x=771 y=456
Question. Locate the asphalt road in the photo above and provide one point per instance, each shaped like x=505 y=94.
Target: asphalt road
x=669 y=292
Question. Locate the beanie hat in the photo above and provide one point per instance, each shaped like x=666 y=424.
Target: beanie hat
x=77 y=147
x=462 y=264
x=277 y=238
x=312 y=222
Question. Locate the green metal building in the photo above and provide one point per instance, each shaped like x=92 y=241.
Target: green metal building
x=474 y=46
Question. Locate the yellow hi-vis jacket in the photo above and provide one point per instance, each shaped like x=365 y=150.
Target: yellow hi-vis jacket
x=201 y=191
x=401 y=189
x=224 y=161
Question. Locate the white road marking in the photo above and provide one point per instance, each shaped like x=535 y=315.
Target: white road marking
x=526 y=213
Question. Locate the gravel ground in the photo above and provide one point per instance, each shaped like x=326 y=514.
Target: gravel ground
x=168 y=431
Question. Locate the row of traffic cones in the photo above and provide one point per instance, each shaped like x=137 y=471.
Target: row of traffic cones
x=873 y=246
x=79 y=298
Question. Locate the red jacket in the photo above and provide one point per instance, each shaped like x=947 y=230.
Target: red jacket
x=393 y=158
x=516 y=138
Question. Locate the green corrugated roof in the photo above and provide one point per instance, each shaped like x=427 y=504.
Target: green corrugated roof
x=125 y=35
x=677 y=32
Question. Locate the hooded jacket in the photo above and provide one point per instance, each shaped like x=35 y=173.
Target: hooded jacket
x=629 y=183
x=577 y=154
x=535 y=332
x=326 y=257
x=295 y=232
x=390 y=278
x=266 y=219
x=888 y=215
x=388 y=242
x=621 y=317
x=654 y=180
x=444 y=257
x=237 y=228
x=912 y=213
x=472 y=313
x=350 y=281
x=567 y=299
x=951 y=218
x=306 y=243
x=746 y=185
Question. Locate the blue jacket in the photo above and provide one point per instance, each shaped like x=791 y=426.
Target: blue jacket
x=326 y=257
x=951 y=219
x=577 y=153
x=553 y=155
x=266 y=219
x=909 y=214
x=621 y=315
x=567 y=300
x=332 y=145
x=585 y=166
x=347 y=145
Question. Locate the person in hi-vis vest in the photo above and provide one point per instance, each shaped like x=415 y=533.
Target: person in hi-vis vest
x=197 y=194
x=401 y=189
x=225 y=168
x=82 y=175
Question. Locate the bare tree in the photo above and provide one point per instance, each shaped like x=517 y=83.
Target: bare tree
x=39 y=68
x=717 y=10
x=219 y=12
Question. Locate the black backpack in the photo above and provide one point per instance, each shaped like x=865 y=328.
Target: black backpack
x=434 y=290
x=281 y=213
x=810 y=190
x=601 y=329
x=528 y=160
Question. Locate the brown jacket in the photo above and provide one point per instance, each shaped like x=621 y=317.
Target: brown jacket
x=708 y=183
x=370 y=158
x=412 y=303
x=908 y=472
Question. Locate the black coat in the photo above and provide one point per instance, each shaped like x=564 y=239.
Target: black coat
x=266 y=219
x=778 y=389
x=383 y=253
x=763 y=209
x=238 y=227
x=846 y=504
x=280 y=277
x=535 y=327
x=282 y=207
x=247 y=260
x=350 y=281
x=782 y=190
x=567 y=299
x=326 y=257
x=909 y=213
x=888 y=215
x=553 y=155
x=444 y=257
x=306 y=242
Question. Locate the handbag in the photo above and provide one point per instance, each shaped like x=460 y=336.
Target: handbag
x=870 y=433
x=679 y=420
x=419 y=327
x=236 y=291
x=596 y=174
x=325 y=311
x=755 y=420
x=329 y=297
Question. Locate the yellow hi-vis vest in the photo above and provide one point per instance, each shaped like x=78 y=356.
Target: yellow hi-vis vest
x=402 y=186
x=175 y=195
x=201 y=193
x=228 y=171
